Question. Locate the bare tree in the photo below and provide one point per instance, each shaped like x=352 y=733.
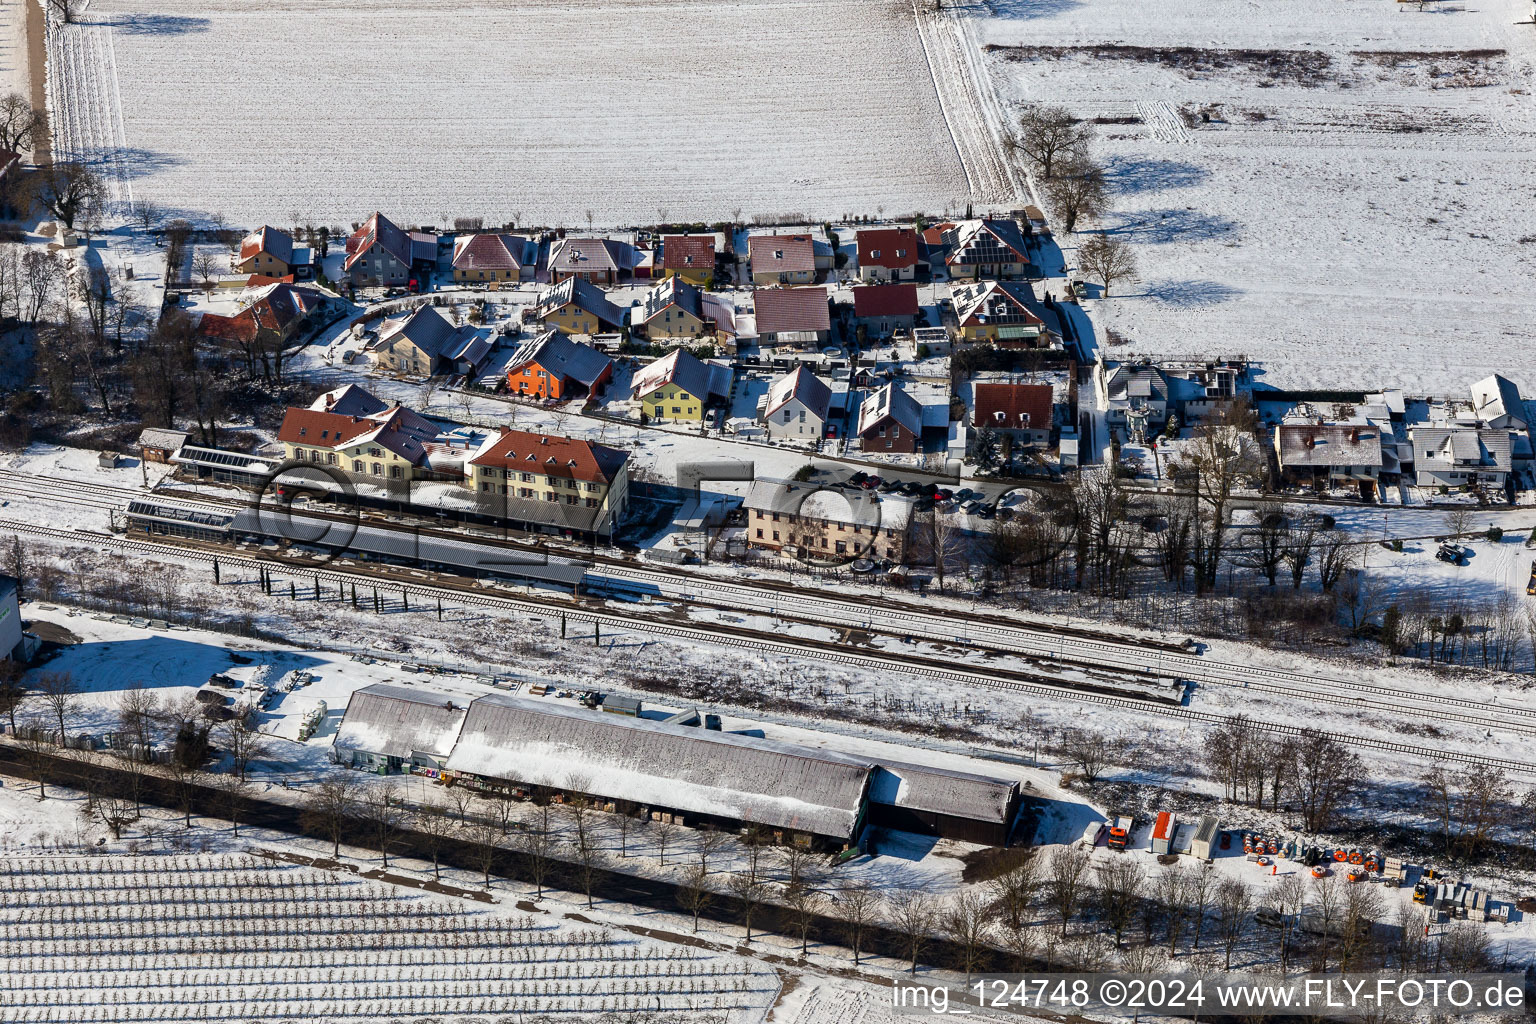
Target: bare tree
x=70 y=190
x=61 y=695
x=206 y=266
x=1078 y=192
x=536 y=842
x=383 y=817
x=751 y=892
x=858 y=905
x=1168 y=893
x=1336 y=555
x=148 y=213
x=235 y=796
x=1199 y=888
x=1458 y=521
x=1090 y=753
x=708 y=842
x=330 y=806
x=13 y=696
x=485 y=840
x=38 y=753
x=243 y=744
x=20 y=125
x=1468 y=802
x=967 y=921
x=664 y=832
x=1108 y=259
x=1324 y=773
x=1234 y=904
x=914 y=913
x=1047 y=133
x=1121 y=882
x=435 y=825
x=694 y=893
x=1068 y=876
x=804 y=903
x=108 y=803
x=1014 y=890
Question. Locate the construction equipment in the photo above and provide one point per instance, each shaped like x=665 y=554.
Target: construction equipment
x=1120 y=832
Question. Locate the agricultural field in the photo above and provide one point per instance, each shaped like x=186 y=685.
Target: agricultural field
x=1339 y=189
x=230 y=937
x=540 y=112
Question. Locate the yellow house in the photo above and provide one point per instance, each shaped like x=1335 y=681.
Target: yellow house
x=689 y=257
x=267 y=251
x=492 y=258
x=575 y=306
x=385 y=446
x=548 y=481
x=680 y=386
x=782 y=259
x=675 y=311
x=1002 y=313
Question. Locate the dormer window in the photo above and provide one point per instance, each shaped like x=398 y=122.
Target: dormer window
x=901 y=254
x=874 y=254
x=778 y=254
x=303 y=431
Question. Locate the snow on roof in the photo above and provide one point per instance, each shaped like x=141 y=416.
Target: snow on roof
x=687 y=371
x=162 y=437
x=942 y=791
x=687 y=769
x=273 y=241
x=859 y=506
x=1013 y=406
x=591 y=256
x=1496 y=397
x=1448 y=448
x=349 y=400
x=425 y=328
x=988 y=242
x=380 y=230
x=781 y=254
x=560 y=355
x=997 y=303
x=800 y=383
x=396 y=721
x=891 y=401
x=1328 y=444
x=583 y=294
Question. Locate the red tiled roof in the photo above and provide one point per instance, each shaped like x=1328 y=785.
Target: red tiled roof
x=382 y=230
x=490 y=251
x=688 y=252
x=1013 y=406
x=897 y=248
x=791 y=309
x=262 y=280
x=322 y=429
x=885 y=300
x=935 y=235
x=238 y=328
x=551 y=455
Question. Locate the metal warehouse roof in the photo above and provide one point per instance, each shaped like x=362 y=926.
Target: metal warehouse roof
x=397 y=721
x=942 y=791
x=691 y=770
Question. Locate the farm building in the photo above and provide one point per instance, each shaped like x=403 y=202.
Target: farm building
x=395 y=728
x=802 y=795
x=939 y=802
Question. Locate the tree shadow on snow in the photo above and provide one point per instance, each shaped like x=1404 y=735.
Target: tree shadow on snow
x=1189 y=294
x=1022 y=10
x=1162 y=227
x=1129 y=176
x=161 y=24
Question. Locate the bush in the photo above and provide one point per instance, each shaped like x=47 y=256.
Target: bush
x=1495 y=534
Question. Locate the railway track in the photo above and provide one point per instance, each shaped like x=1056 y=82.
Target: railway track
x=1084 y=649
x=769 y=645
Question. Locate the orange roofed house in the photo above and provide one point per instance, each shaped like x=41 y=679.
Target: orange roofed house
x=270 y=253
x=551 y=482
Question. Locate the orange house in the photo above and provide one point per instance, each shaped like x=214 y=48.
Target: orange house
x=553 y=366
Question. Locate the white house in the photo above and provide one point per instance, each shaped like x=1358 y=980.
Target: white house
x=796 y=406
x=1458 y=456
x=1497 y=403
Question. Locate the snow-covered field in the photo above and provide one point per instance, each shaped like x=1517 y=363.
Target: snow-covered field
x=1358 y=210
x=238 y=938
x=540 y=112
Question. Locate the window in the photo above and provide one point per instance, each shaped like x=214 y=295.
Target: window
x=357 y=466
x=378 y=470
x=759 y=532
x=901 y=254
x=570 y=499
x=484 y=488
x=394 y=472
x=775 y=534
x=874 y=254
